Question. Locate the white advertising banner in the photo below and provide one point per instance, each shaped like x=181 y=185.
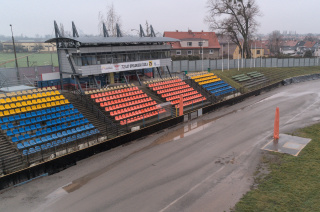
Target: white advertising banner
x=108 y=68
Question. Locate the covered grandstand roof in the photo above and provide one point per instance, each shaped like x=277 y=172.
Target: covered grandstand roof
x=113 y=40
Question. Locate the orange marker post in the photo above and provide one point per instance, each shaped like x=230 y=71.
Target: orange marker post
x=276 y=126
x=181 y=106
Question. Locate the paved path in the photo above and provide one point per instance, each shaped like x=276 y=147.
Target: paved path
x=203 y=165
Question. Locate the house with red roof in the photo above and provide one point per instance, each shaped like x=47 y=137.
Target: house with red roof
x=194 y=43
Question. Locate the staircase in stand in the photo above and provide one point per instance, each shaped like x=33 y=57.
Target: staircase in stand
x=10 y=158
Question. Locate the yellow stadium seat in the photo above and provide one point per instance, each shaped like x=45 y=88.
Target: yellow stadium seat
x=48 y=104
x=44 y=89
x=34 y=96
x=6 y=112
x=29 y=91
x=24 y=92
x=18 y=104
x=39 y=95
x=34 y=90
x=43 y=105
x=2 y=95
x=39 y=89
x=17 y=110
x=19 y=93
x=28 y=108
x=62 y=97
x=33 y=107
x=39 y=106
x=66 y=101
x=53 y=104
x=56 y=92
x=44 y=100
x=8 y=100
x=2 y=108
x=14 y=99
x=29 y=102
x=12 y=112
x=23 y=104
x=39 y=101
x=58 y=103
x=53 y=88
x=29 y=96
x=24 y=97
x=48 y=99
x=58 y=98
x=44 y=94
x=49 y=89
x=7 y=106
x=23 y=110
x=2 y=101
x=19 y=98
x=1 y=114
x=53 y=98
x=13 y=105
x=52 y=93
x=34 y=102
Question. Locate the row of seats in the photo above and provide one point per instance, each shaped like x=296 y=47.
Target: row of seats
x=213 y=84
x=196 y=73
x=193 y=101
x=160 y=80
x=164 y=83
x=36 y=113
x=178 y=92
x=171 y=90
x=209 y=81
x=218 y=86
x=118 y=97
x=31 y=126
x=206 y=79
x=28 y=97
x=136 y=112
x=141 y=117
x=184 y=95
x=223 y=91
x=31 y=91
x=125 y=104
x=109 y=89
x=114 y=92
x=133 y=108
x=187 y=98
x=168 y=86
x=54 y=132
x=33 y=107
x=201 y=76
x=55 y=143
x=30 y=102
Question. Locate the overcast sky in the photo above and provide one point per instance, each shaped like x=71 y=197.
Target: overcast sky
x=33 y=17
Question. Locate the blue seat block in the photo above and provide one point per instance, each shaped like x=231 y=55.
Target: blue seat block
x=20 y=146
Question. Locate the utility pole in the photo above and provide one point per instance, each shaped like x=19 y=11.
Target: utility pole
x=15 y=54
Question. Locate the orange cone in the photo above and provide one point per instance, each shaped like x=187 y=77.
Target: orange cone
x=276 y=126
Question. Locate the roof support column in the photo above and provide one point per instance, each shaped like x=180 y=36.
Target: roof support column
x=138 y=78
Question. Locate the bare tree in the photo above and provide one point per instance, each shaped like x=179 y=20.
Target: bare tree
x=310 y=37
x=236 y=19
x=275 y=39
x=61 y=29
x=110 y=18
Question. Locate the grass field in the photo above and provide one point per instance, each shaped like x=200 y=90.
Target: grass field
x=35 y=59
x=273 y=74
x=293 y=183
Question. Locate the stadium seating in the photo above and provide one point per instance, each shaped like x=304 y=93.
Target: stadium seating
x=41 y=119
x=171 y=90
x=126 y=104
x=212 y=83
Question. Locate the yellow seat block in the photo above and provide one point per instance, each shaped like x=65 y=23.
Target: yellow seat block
x=23 y=104
x=33 y=107
x=39 y=106
x=34 y=96
x=29 y=103
x=56 y=92
x=44 y=94
x=53 y=98
x=24 y=97
x=43 y=105
x=17 y=110
x=48 y=104
x=29 y=97
x=44 y=100
x=34 y=102
x=28 y=108
x=53 y=104
x=62 y=97
x=6 y=112
x=7 y=106
x=18 y=104
x=12 y=112
x=2 y=101
x=39 y=101
x=52 y=93
x=39 y=95
x=58 y=103
x=19 y=98
x=29 y=91
x=14 y=99
x=1 y=114
x=66 y=101
x=8 y=100
x=23 y=110
x=13 y=105
x=2 y=107
x=53 y=88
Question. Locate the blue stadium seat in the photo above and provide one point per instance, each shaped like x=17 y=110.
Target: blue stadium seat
x=67 y=112
x=64 y=133
x=76 y=116
x=9 y=133
x=27 y=136
x=38 y=126
x=73 y=124
x=20 y=146
x=63 y=113
x=37 y=149
x=59 y=142
x=63 y=140
x=58 y=121
x=76 y=110
x=91 y=126
x=28 y=121
x=22 y=123
x=49 y=138
x=54 y=136
x=48 y=123
x=82 y=128
x=58 y=109
x=33 y=121
x=49 y=130
x=38 y=119
x=10 y=125
x=53 y=110
x=38 y=141
x=31 y=151
x=43 y=140
x=77 y=123
x=27 y=129
x=64 y=126
x=21 y=130
x=58 y=115
x=63 y=120
x=79 y=136
x=48 y=117
x=69 y=132
x=49 y=145
x=4 y=127
x=11 y=118
x=87 y=127
x=1 y=122
x=88 y=133
x=17 y=118
x=48 y=111
x=53 y=116
x=74 y=131
x=68 y=119
x=82 y=122
x=23 y=116
x=43 y=146
x=53 y=122
x=78 y=129
x=28 y=115
x=33 y=114
x=44 y=131
x=63 y=107
x=70 y=106
x=81 y=116
x=25 y=152
x=26 y=144
x=15 y=131
x=39 y=113
x=20 y=137
x=86 y=121
x=14 y=139
x=59 y=128
x=44 y=118
x=32 y=143
x=33 y=127
x=5 y=120
x=59 y=134
x=53 y=129
x=55 y=143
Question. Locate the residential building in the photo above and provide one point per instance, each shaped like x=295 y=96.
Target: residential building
x=194 y=44
x=258 y=49
x=227 y=46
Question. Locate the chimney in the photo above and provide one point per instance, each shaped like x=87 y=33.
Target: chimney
x=177 y=31
x=189 y=30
